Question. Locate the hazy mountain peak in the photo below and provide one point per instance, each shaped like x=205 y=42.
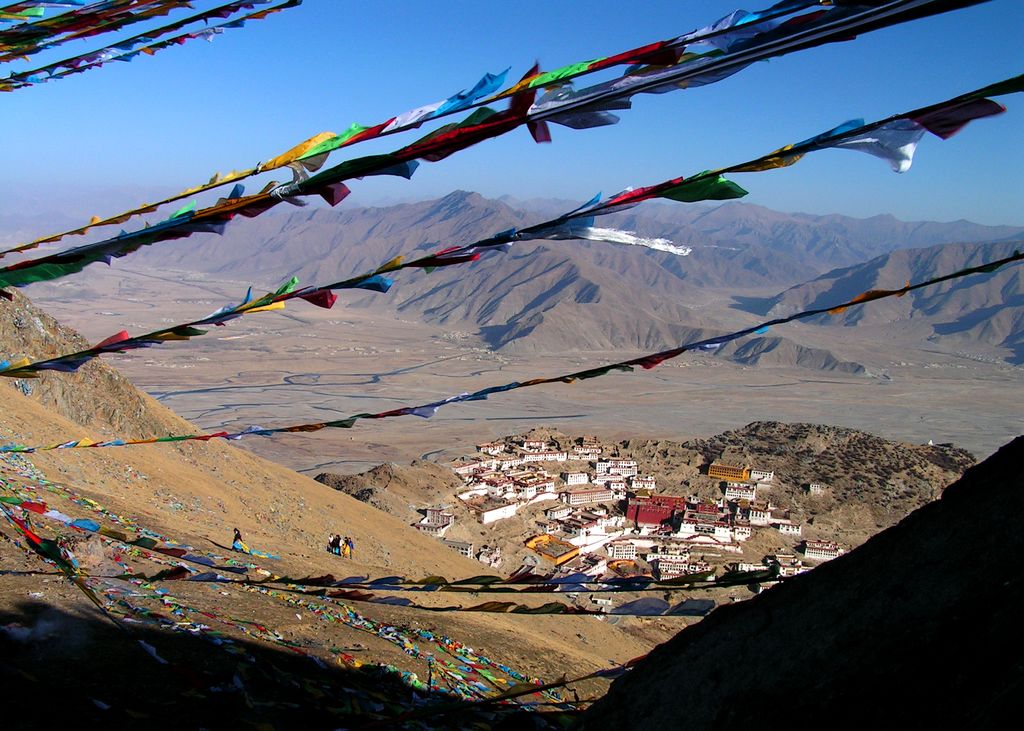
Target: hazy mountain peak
x=462 y=198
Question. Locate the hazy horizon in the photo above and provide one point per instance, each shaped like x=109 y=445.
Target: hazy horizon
x=229 y=104
x=82 y=202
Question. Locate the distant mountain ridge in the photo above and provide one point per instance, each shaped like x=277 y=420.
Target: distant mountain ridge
x=566 y=295
x=987 y=308
x=734 y=241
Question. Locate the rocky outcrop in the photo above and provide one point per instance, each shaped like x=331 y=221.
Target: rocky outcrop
x=95 y=396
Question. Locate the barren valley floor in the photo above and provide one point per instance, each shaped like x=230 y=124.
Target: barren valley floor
x=308 y=364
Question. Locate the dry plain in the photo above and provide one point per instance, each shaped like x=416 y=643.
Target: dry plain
x=309 y=364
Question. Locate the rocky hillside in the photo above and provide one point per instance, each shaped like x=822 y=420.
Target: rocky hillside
x=96 y=396
x=776 y=351
x=872 y=482
x=192 y=495
x=397 y=489
x=988 y=308
x=210 y=486
x=916 y=628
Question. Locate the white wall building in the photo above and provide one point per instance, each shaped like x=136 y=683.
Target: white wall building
x=587 y=496
x=489 y=513
x=740 y=491
x=621 y=467
x=788 y=529
x=544 y=456
x=499 y=490
x=786 y=564
x=759 y=515
x=718 y=530
x=822 y=550
x=643 y=482
x=557 y=512
x=575 y=478
x=466 y=549
x=761 y=475
x=465 y=469
x=669 y=566
x=525 y=491
x=621 y=550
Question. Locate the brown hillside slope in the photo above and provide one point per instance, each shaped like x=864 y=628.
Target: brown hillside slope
x=217 y=486
x=918 y=627
x=196 y=492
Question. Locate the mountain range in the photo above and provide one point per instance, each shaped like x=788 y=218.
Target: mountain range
x=987 y=308
x=550 y=296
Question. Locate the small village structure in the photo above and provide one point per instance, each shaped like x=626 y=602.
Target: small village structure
x=740 y=491
x=821 y=550
x=587 y=496
x=553 y=549
x=605 y=514
x=728 y=472
x=436 y=521
x=785 y=565
x=466 y=549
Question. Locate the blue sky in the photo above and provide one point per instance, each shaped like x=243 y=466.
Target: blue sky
x=169 y=121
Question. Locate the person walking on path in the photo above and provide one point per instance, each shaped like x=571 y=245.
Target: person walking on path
x=334 y=545
x=350 y=547
x=345 y=548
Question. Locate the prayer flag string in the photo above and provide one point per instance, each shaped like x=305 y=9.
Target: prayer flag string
x=130 y=48
x=29 y=38
x=734 y=42
x=646 y=362
x=893 y=139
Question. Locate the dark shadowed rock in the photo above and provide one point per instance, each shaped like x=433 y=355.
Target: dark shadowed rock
x=917 y=628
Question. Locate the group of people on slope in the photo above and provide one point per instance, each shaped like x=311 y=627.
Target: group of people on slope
x=336 y=544
x=341 y=546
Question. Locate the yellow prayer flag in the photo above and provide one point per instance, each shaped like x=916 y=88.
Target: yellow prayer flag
x=296 y=152
x=390 y=266
x=268 y=308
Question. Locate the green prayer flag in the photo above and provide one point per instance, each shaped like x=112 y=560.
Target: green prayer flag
x=187 y=208
x=342 y=423
x=334 y=142
x=701 y=188
x=571 y=70
x=288 y=286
